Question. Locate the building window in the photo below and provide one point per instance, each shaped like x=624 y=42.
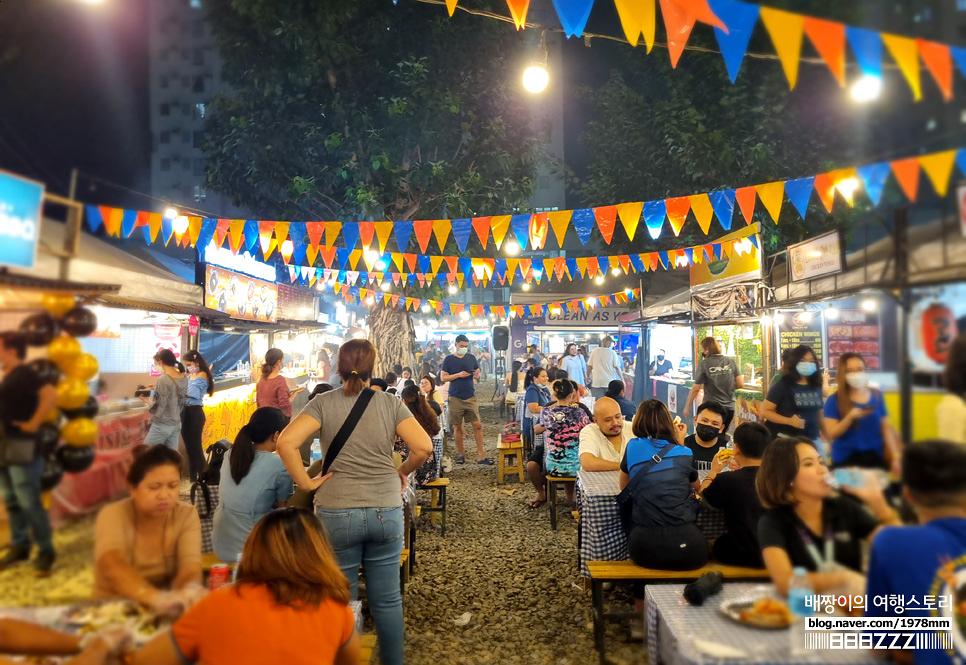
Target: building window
x=199 y=193
x=198 y=56
x=199 y=85
x=197 y=29
x=199 y=113
x=165 y=164
x=165 y=137
x=199 y=166
x=198 y=139
x=165 y=109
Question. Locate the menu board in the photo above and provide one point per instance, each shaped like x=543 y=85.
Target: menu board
x=799 y=328
x=240 y=296
x=855 y=331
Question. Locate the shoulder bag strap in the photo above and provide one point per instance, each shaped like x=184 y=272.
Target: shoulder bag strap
x=347 y=428
x=655 y=459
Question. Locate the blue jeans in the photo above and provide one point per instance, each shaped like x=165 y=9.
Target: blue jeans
x=598 y=393
x=161 y=433
x=20 y=487
x=372 y=538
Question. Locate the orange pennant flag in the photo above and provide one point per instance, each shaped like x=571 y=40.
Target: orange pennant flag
x=606 y=221
x=678 y=24
x=677 y=212
x=560 y=267
x=625 y=261
x=630 y=214
x=441 y=229
x=906 y=55
x=785 y=30
x=828 y=38
x=703 y=211
x=482 y=227
x=451 y=263
x=592 y=266
x=700 y=10
x=410 y=261
x=939 y=63
x=745 y=196
x=518 y=10
x=423 y=229
x=637 y=17
x=825 y=188
x=906 y=172
x=332 y=230
x=539 y=228
x=113 y=220
x=938 y=168
x=367 y=231
x=771 y=196
x=499 y=225
x=559 y=221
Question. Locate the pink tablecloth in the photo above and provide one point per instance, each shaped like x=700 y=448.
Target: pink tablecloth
x=83 y=493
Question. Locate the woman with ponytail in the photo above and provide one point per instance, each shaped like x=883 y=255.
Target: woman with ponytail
x=170 y=392
x=253 y=481
x=417 y=403
x=563 y=423
x=200 y=382
x=273 y=388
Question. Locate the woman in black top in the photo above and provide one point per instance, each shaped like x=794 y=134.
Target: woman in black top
x=806 y=526
x=793 y=406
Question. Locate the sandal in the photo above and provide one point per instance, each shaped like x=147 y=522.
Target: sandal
x=536 y=503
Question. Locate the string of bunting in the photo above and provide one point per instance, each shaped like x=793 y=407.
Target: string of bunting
x=369 y=297
x=735 y=21
x=302 y=243
x=463 y=270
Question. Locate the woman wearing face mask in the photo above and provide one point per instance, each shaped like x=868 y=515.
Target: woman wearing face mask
x=169 y=396
x=200 y=382
x=793 y=406
x=856 y=420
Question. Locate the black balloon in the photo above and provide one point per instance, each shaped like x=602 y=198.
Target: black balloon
x=79 y=322
x=39 y=329
x=51 y=473
x=47 y=370
x=74 y=459
x=89 y=410
x=47 y=438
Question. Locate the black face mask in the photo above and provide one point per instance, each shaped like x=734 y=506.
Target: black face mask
x=660 y=358
x=706 y=432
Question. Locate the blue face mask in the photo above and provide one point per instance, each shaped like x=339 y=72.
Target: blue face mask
x=806 y=369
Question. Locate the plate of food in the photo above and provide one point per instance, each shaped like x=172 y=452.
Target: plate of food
x=91 y=617
x=758 y=612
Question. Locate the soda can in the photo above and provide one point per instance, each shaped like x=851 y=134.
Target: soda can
x=219 y=575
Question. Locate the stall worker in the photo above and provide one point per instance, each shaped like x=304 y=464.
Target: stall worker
x=719 y=376
x=273 y=388
x=660 y=366
x=200 y=383
x=147 y=548
x=603 y=442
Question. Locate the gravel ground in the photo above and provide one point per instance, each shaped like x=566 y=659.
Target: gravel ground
x=499 y=561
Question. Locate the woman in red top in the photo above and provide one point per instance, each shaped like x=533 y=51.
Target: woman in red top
x=272 y=388
x=289 y=604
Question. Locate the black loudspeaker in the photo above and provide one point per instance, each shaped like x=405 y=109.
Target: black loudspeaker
x=501 y=338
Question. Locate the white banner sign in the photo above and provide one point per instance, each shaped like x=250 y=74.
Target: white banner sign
x=816 y=257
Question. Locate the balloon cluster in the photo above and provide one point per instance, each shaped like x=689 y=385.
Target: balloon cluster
x=69 y=369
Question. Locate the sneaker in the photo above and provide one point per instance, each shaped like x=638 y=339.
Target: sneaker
x=14 y=555
x=460 y=460
x=485 y=461
x=43 y=564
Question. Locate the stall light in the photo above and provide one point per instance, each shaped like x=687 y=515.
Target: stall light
x=866 y=89
x=464 y=315
x=381 y=265
x=358 y=335
x=831 y=313
x=536 y=77
x=425 y=309
x=384 y=286
x=805 y=316
x=513 y=314
x=743 y=246
x=434 y=324
x=304 y=311
x=526 y=286
x=513 y=248
x=370 y=255
x=599 y=279
x=615 y=272
x=847 y=188
x=170 y=213
x=682 y=261
x=870 y=305
x=592 y=302
x=227 y=328
x=287 y=248
x=453 y=290
x=555 y=311
x=180 y=224
x=370 y=301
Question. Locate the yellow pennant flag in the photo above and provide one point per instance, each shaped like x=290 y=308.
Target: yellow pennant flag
x=370 y=258
x=637 y=17
x=511 y=268
x=703 y=211
x=354 y=257
x=459 y=279
x=397 y=260
x=786 y=31
x=194 y=229
x=906 y=55
x=441 y=229
x=559 y=221
x=435 y=262
x=630 y=214
x=451 y=6
x=332 y=232
x=548 y=267
x=499 y=225
x=383 y=231
x=281 y=232
x=771 y=195
x=938 y=167
x=582 y=266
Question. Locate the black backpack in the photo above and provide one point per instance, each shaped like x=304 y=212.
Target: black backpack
x=216 y=457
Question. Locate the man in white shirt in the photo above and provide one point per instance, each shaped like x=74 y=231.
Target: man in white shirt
x=605 y=366
x=602 y=443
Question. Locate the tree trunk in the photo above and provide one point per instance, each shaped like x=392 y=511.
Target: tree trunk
x=391 y=332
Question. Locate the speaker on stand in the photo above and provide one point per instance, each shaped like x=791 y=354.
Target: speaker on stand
x=501 y=342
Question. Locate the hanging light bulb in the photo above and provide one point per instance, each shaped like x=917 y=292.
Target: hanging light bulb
x=384 y=286
x=453 y=290
x=170 y=213
x=180 y=224
x=867 y=88
x=512 y=248
x=526 y=286
x=599 y=279
x=615 y=272
x=536 y=77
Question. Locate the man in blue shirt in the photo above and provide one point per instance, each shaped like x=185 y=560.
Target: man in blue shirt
x=461 y=371
x=928 y=559
x=615 y=390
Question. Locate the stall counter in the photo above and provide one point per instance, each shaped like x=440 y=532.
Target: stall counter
x=674 y=393
x=230 y=408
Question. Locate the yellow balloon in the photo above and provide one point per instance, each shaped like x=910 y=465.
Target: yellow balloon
x=58 y=304
x=79 y=432
x=53 y=416
x=72 y=394
x=83 y=367
x=63 y=350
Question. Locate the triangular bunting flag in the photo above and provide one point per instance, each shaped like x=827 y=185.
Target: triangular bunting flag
x=521 y=228
x=128 y=221
x=723 y=203
x=583 y=221
x=559 y=221
x=297 y=233
x=959 y=57
x=539 y=230
x=482 y=227
x=785 y=30
x=637 y=17
x=332 y=230
x=315 y=231
x=701 y=11
x=906 y=172
x=518 y=11
x=350 y=235
x=906 y=55
x=867 y=47
x=423 y=229
x=606 y=217
x=678 y=24
x=799 y=192
x=654 y=213
x=938 y=168
x=703 y=211
x=740 y=17
x=573 y=15
x=873 y=179
x=441 y=229
x=630 y=214
x=771 y=197
x=95 y=217
x=745 y=196
x=383 y=231
x=402 y=231
x=828 y=38
x=461 y=232
x=677 y=212
x=451 y=6
x=367 y=231
x=939 y=62
x=825 y=188
x=205 y=235
x=499 y=225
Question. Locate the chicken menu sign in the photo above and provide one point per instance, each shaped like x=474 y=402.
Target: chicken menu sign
x=856 y=331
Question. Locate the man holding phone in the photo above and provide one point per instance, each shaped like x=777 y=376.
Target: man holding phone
x=461 y=371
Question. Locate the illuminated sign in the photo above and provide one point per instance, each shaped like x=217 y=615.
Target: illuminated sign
x=21 y=201
x=816 y=257
x=241 y=262
x=240 y=296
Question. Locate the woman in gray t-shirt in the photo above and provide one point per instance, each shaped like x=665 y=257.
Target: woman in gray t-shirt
x=360 y=499
x=719 y=376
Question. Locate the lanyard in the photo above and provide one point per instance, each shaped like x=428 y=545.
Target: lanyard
x=813 y=550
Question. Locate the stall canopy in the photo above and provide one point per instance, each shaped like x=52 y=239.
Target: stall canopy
x=142 y=284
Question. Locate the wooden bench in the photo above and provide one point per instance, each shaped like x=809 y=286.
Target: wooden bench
x=552 y=483
x=438 y=501
x=504 y=451
x=628 y=571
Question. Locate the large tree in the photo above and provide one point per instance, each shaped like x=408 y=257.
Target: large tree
x=358 y=109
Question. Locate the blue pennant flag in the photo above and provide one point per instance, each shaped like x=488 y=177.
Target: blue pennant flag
x=716 y=248
x=799 y=192
x=665 y=259
x=350 y=234
x=296 y=232
x=740 y=17
x=127 y=222
x=403 y=232
x=867 y=46
x=207 y=232
x=689 y=252
x=654 y=214
x=961 y=161
x=342 y=277
x=95 y=219
x=754 y=240
x=573 y=15
x=342 y=256
x=167 y=229
x=250 y=233
x=521 y=228
x=584 y=221
x=425 y=266
x=466 y=267
x=500 y=268
x=572 y=268
x=462 y=228
x=724 y=207
x=874 y=179
x=959 y=57
x=638 y=262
